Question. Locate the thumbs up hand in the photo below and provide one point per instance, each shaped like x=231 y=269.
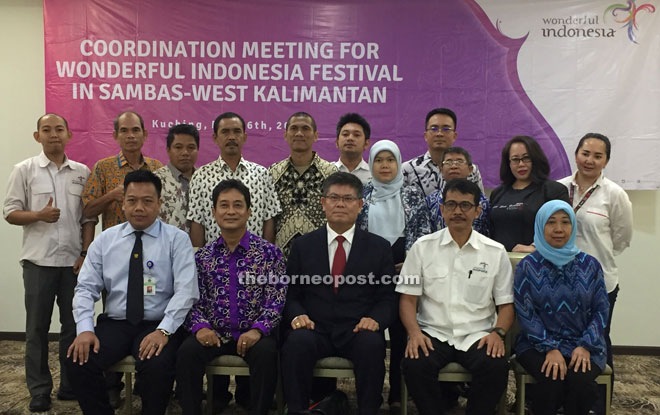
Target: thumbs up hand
x=49 y=213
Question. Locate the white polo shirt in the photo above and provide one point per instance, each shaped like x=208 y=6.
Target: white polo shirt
x=31 y=184
x=362 y=170
x=459 y=287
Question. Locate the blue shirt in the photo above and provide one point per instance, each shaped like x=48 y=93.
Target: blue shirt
x=561 y=308
x=168 y=257
x=480 y=224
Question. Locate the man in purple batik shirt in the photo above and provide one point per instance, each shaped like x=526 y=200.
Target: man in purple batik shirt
x=241 y=299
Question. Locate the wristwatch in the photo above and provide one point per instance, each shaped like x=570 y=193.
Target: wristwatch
x=83 y=254
x=165 y=332
x=499 y=331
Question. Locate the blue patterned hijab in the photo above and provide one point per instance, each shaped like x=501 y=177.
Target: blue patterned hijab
x=558 y=256
x=386 y=215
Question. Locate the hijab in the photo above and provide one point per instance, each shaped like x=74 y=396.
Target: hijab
x=386 y=215
x=558 y=256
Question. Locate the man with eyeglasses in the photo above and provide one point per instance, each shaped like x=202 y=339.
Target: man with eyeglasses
x=298 y=180
x=346 y=312
x=424 y=171
x=450 y=314
x=457 y=164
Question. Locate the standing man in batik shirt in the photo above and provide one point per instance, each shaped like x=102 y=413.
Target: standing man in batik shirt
x=353 y=133
x=182 y=149
x=104 y=191
x=43 y=197
x=424 y=171
x=299 y=181
x=241 y=300
x=229 y=134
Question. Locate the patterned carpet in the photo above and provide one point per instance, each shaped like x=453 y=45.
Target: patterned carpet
x=637 y=387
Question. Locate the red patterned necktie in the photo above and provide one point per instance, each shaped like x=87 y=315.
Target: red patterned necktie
x=338 y=262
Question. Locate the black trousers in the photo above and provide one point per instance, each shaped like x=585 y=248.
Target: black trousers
x=119 y=338
x=398 y=341
x=302 y=348
x=577 y=392
x=489 y=378
x=191 y=361
x=43 y=287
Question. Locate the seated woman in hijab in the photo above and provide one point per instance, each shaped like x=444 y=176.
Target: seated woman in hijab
x=562 y=309
x=399 y=214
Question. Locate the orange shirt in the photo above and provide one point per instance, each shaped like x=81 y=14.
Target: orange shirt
x=107 y=174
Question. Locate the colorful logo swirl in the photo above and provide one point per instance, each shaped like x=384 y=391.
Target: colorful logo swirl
x=629 y=13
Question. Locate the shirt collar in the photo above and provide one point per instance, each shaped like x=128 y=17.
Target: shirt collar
x=599 y=180
x=363 y=165
x=427 y=159
x=176 y=172
x=473 y=240
x=244 y=242
x=223 y=164
x=349 y=234
x=44 y=161
x=152 y=230
x=121 y=160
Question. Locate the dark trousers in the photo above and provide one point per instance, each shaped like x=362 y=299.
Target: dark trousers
x=489 y=378
x=302 y=348
x=191 y=361
x=398 y=341
x=600 y=405
x=119 y=338
x=44 y=286
x=577 y=392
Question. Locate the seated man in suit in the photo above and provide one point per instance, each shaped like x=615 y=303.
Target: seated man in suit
x=148 y=269
x=453 y=281
x=333 y=315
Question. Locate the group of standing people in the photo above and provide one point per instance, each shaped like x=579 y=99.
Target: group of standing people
x=427 y=219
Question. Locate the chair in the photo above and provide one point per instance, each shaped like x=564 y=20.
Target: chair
x=523 y=378
x=127 y=367
x=233 y=365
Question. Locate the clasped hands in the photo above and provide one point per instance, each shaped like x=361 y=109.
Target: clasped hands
x=304 y=322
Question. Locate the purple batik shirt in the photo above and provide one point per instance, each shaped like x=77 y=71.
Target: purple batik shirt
x=239 y=290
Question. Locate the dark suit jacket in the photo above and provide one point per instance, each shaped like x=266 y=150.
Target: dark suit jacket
x=337 y=314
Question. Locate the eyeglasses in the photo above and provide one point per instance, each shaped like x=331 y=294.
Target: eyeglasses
x=517 y=160
x=334 y=198
x=465 y=206
x=437 y=129
x=458 y=162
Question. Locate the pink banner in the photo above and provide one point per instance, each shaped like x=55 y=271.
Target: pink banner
x=390 y=61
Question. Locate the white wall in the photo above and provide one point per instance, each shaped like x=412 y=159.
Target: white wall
x=22 y=102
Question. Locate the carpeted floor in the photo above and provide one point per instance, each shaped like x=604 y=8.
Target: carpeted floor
x=637 y=387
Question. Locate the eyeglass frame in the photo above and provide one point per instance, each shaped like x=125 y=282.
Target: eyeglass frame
x=335 y=198
x=458 y=162
x=524 y=159
x=451 y=205
x=444 y=129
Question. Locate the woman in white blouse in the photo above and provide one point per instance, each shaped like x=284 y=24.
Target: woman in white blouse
x=603 y=211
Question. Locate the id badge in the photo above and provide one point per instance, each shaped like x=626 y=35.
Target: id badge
x=150 y=285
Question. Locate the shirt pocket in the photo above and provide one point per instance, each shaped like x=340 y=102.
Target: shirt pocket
x=477 y=288
x=75 y=189
x=435 y=281
x=41 y=193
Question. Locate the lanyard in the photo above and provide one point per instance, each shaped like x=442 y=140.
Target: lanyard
x=584 y=199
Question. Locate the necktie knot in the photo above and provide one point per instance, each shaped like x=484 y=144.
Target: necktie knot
x=340 y=239
x=138 y=234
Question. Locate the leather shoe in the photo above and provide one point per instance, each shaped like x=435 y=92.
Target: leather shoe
x=66 y=395
x=40 y=403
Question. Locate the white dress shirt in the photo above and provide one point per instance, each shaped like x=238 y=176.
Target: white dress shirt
x=458 y=287
x=31 y=184
x=362 y=170
x=332 y=242
x=168 y=258
x=605 y=224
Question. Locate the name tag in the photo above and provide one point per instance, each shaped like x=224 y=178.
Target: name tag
x=150 y=285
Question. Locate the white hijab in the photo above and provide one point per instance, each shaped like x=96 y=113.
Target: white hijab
x=386 y=215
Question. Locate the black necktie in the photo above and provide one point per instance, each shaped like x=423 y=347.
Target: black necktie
x=134 y=294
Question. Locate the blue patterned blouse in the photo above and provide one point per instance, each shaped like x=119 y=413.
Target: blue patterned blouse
x=480 y=224
x=418 y=222
x=561 y=308
x=238 y=290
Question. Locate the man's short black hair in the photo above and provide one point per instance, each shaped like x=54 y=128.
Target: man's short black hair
x=116 y=121
x=143 y=176
x=188 y=129
x=462 y=186
x=229 y=184
x=301 y=114
x=540 y=166
x=458 y=150
x=597 y=136
x=216 y=122
x=354 y=118
x=343 y=178
x=66 y=124
x=443 y=111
